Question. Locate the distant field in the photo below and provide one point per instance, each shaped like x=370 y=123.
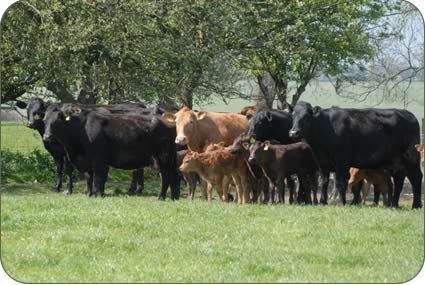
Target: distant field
x=17 y=137
x=324 y=95
x=48 y=237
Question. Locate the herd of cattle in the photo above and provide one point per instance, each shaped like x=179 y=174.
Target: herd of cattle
x=257 y=151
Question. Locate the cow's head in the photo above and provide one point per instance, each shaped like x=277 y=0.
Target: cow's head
x=420 y=149
x=260 y=125
x=190 y=162
x=257 y=150
x=186 y=123
x=57 y=120
x=240 y=145
x=36 y=109
x=302 y=117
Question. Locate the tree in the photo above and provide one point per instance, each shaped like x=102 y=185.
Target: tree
x=397 y=63
x=297 y=40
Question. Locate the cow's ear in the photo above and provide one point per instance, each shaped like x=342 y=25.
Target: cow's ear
x=21 y=104
x=200 y=115
x=269 y=116
x=195 y=155
x=266 y=145
x=316 y=110
x=249 y=116
x=252 y=140
x=170 y=117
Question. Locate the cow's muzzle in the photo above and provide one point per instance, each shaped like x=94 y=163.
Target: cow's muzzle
x=294 y=134
x=47 y=138
x=181 y=140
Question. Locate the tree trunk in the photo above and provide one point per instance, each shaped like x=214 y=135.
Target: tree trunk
x=87 y=94
x=268 y=95
x=281 y=87
x=59 y=89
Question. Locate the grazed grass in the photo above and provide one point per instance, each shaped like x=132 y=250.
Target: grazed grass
x=49 y=237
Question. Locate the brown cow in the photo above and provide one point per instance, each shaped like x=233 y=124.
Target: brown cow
x=214 y=165
x=380 y=179
x=199 y=129
x=249 y=111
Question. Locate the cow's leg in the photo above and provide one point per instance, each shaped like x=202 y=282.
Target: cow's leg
x=301 y=191
x=272 y=188
x=59 y=172
x=341 y=181
x=239 y=189
x=415 y=178
x=89 y=181
x=175 y=184
x=398 y=185
x=356 y=189
x=280 y=186
x=390 y=187
x=209 y=191
x=100 y=175
x=365 y=191
x=204 y=186
x=191 y=180
x=376 y=196
x=314 y=188
x=69 y=168
x=137 y=182
x=306 y=185
x=291 y=186
x=323 y=185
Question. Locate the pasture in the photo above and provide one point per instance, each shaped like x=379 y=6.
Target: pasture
x=50 y=237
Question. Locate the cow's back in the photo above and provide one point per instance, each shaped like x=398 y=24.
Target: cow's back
x=369 y=138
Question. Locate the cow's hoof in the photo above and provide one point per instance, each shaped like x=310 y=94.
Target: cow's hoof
x=67 y=192
x=160 y=198
x=417 y=206
x=57 y=190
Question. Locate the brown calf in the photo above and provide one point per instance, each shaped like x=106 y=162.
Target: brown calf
x=279 y=161
x=380 y=179
x=213 y=166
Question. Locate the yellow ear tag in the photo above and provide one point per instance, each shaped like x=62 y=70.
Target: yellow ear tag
x=266 y=147
x=252 y=140
x=68 y=118
x=37 y=117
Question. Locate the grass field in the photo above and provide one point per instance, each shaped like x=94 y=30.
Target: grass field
x=17 y=137
x=49 y=237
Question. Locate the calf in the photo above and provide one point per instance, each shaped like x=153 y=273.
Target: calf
x=191 y=178
x=380 y=179
x=213 y=166
x=95 y=140
x=280 y=161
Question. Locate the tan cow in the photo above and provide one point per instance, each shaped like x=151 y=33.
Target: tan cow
x=214 y=165
x=249 y=111
x=380 y=179
x=199 y=129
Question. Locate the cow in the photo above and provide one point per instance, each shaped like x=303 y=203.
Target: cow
x=213 y=166
x=380 y=179
x=258 y=181
x=36 y=109
x=191 y=178
x=362 y=138
x=274 y=125
x=96 y=140
x=279 y=161
x=199 y=129
x=249 y=111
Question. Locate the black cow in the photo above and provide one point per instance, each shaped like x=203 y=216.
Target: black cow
x=362 y=138
x=279 y=161
x=36 y=109
x=97 y=139
x=274 y=125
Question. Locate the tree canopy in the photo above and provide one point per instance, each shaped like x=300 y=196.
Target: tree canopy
x=180 y=51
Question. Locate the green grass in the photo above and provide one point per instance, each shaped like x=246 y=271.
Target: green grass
x=49 y=237
x=16 y=137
